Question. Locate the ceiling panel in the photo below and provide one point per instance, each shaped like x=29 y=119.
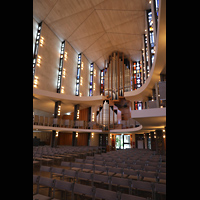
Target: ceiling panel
x=84 y=43
x=123 y=5
x=41 y=8
x=66 y=8
x=92 y=25
x=64 y=27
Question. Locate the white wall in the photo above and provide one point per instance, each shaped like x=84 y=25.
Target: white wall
x=85 y=76
x=154 y=112
x=70 y=65
x=96 y=80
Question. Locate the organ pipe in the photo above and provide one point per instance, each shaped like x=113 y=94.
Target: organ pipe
x=117 y=76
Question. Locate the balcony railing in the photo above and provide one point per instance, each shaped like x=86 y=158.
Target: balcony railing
x=80 y=124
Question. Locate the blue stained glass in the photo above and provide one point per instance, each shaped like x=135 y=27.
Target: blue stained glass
x=78 y=72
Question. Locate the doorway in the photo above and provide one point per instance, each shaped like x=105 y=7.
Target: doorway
x=123 y=141
x=139 y=141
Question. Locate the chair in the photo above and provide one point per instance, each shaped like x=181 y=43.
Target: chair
x=76 y=166
x=99 y=169
x=88 y=168
x=62 y=186
x=145 y=189
x=57 y=172
x=89 y=158
x=122 y=165
x=84 y=177
x=36 y=165
x=150 y=168
x=47 y=160
x=46 y=171
x=161 y=178
x=111 y=164
x=44 y=182
x=108 y=160
x=35 y=182
x=129 y=162
x=131 y=174
x=84 y=190
x=99 y=162
x=71 y=174
x=148 y=176
x=113 y=171
x=162 y=169
x=89 y=161
x=160 y=190
x=79 y=160
x=66 y=164
x=136 y=167
x=121 y=183
x=99 y=157
x=106 y=194
x=101 y=180
x=140 y=162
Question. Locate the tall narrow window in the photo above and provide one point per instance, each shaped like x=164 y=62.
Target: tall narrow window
x=36 y=47
x=157 y=9
x=78 y=75
x=143 y=67
x=91 y=80
x=151 y=36
x=146 y=56
x=138 y=105
x=137 y=71
x=60 y=68
x=102 y=82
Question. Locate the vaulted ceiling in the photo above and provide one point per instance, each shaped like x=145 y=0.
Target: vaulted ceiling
x=96 y=28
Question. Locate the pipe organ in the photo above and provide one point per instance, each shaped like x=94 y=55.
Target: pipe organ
x=117 y=76
x=117 y=79
x=108 y=115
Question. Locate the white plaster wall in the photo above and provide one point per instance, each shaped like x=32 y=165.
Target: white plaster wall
x=85 y=74
x=69 y=82
x=96 y=80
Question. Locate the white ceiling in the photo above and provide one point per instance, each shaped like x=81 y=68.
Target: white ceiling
x=96 y=28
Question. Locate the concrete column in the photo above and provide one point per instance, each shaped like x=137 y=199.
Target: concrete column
x=145 y=141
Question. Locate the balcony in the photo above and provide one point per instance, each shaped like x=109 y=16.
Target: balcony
x=50 y=123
